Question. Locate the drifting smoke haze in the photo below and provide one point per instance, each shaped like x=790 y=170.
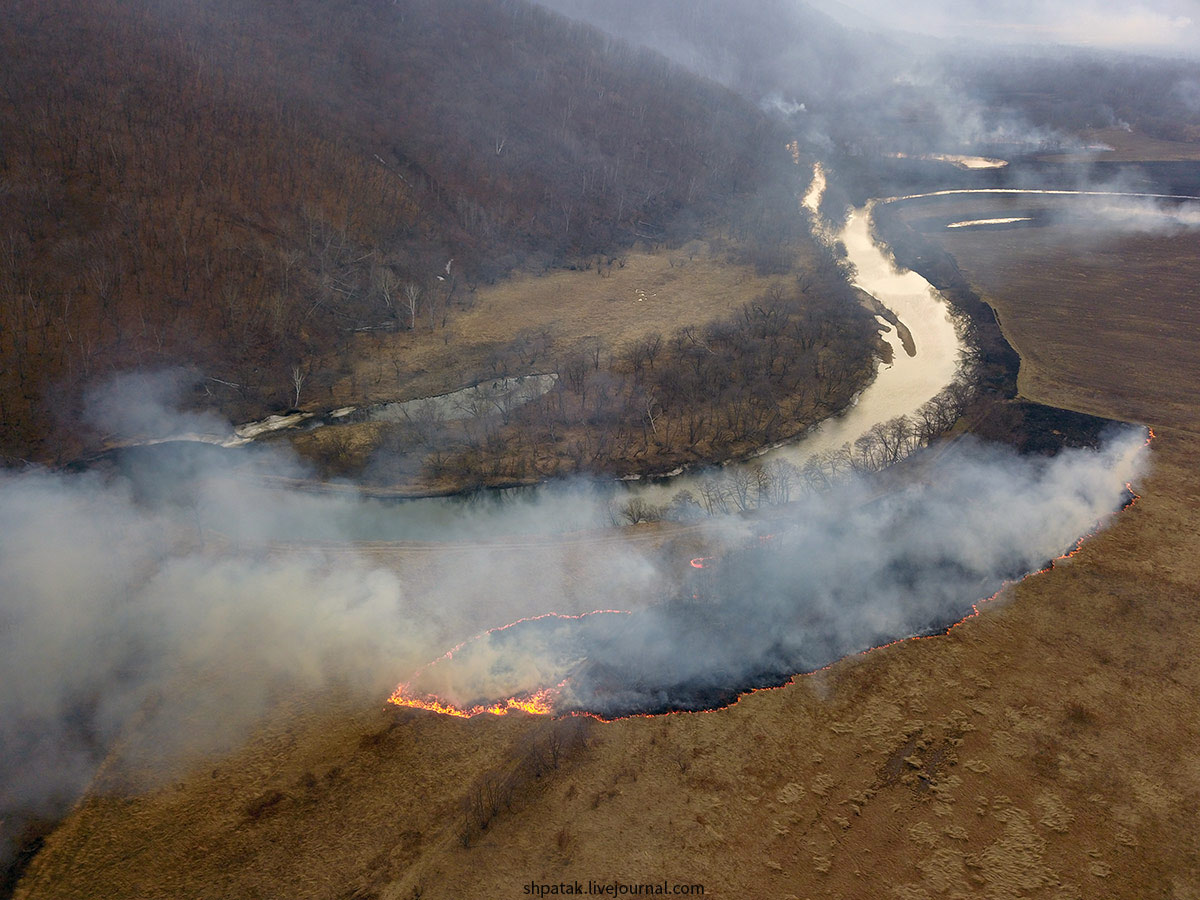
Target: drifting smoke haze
x=118 y=625
x=145 y=406
x=147 y=618
x=160 y=604
x=131 y=630
x=152 y=619
x=868 y=77
x=1092 y=213
x=847 y=571
x=840 y=87
x=1165 y=27
x=1133 y=215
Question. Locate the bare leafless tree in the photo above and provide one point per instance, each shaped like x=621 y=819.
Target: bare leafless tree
x=412 y=298
x=299 y=374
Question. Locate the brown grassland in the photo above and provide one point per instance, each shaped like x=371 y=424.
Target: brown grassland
x=1046 y=748
x=643 y=293
x=621 y=300
x=665 y=357
x=1129 y=146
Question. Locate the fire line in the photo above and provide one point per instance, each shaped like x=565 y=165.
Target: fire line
x=542 y=702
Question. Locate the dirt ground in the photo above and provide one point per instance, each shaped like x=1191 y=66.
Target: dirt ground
x=1046 y=748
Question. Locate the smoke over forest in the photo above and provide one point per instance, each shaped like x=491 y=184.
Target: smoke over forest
x=867 y=77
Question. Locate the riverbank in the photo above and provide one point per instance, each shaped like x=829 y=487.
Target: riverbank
x=995 y=412
x=674 y=383
x=999 y=413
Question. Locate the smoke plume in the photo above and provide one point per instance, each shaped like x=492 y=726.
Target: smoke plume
x=848 y=570
x=154 y=609
x=151 y=619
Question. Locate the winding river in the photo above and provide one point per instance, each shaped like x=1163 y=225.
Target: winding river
x=899 y=388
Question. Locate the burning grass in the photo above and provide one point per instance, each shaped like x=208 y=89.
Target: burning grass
x=773 y=778
x=765 y=612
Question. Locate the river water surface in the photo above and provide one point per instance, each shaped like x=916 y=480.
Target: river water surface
x=900 y=387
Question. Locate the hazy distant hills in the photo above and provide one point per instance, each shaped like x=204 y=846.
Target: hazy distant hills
x=757 y=47
x=860 y=88
x=240 y=184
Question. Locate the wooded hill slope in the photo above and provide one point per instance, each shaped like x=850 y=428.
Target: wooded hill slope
x=240 y=184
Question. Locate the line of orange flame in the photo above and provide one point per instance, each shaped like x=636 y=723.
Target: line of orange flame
x=538 y=703
x=541 y=702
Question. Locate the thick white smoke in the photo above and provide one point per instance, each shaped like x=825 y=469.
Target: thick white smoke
x=115 y=616
x=849 y=570
x=154 y=609
x=152 y=617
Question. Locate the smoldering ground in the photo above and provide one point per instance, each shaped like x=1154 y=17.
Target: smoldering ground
x=845 y=571
x=154 y=624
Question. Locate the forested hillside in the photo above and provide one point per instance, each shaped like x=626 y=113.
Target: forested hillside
x=239 y=186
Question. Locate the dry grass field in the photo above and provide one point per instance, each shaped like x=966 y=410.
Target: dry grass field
x=587 y=324
x=1086 y=315
x=1046 y=748
x=532 y=323
x=1128 y=146
x=647 y=291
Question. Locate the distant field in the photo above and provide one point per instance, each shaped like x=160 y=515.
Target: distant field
x=1085 y=308
x=1129 y=146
